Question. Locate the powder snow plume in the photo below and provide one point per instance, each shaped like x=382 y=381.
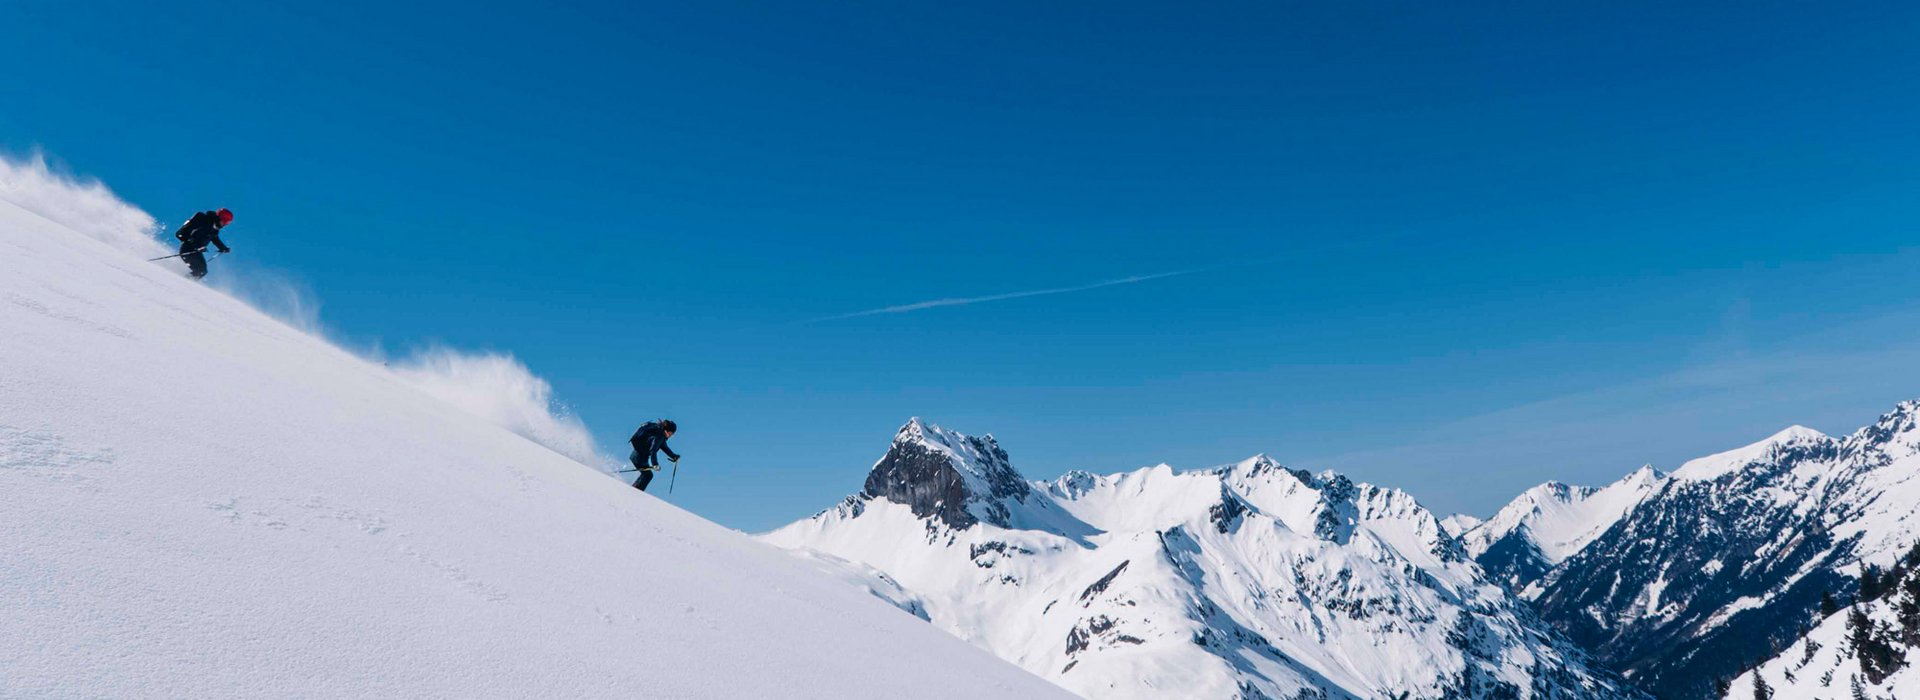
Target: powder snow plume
x=495 y=387
x=502 y=390
x=81 y=204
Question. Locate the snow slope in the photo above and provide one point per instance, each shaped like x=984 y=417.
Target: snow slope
x=1244 y=581
x=1822 y=665
x=199 y=501
x=1867 y=647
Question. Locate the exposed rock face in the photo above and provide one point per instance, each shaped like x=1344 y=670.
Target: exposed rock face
x=955 y=478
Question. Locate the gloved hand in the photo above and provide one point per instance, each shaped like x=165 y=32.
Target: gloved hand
x=675 y=460
x=224 y=250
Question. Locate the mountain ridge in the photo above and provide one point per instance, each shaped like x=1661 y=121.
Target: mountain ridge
x=1729 y=558
x=1245 y=580
x=1548 y=523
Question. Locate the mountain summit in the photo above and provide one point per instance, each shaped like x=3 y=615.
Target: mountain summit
x=958 y=479
x=1550 y=522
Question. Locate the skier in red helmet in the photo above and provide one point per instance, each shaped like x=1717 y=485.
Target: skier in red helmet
x=203 y=228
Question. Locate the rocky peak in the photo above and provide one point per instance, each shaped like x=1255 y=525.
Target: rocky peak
x=1557 y=491
x=1895 y=435
x=1255 y=466
x=959 y=479
x=1073 y=484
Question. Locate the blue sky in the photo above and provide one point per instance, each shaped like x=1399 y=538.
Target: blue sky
x=1456 y=250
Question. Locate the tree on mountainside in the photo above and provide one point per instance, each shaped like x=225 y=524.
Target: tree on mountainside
x=1874 y=646
x=1908 y=611
x=1870 y=580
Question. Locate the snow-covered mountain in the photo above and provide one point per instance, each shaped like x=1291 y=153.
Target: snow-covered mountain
x=1245 y=581
x=199 y=501
x=1729 y=559
x=1550 y=522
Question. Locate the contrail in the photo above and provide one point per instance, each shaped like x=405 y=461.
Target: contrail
x=963 y=301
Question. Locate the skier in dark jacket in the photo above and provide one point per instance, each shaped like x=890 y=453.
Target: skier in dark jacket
x=201 y=229
x=648 y=442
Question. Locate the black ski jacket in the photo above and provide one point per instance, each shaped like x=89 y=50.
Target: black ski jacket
x=200 y=230
x=648 y=442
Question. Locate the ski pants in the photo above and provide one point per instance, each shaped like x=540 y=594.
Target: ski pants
x=196 y=259
x=646 y=473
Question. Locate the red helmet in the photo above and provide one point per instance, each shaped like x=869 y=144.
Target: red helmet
x=226 y=216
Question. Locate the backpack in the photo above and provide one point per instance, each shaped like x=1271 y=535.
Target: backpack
x=194 y=223
x=643 y=437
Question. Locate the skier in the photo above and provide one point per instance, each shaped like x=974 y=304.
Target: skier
x=201 y=229
x=648 y=442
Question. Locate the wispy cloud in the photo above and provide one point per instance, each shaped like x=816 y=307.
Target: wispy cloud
x=964 y=301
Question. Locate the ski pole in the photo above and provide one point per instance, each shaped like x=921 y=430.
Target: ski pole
x=190 y=252
x=175 y=255
x=675 y=477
